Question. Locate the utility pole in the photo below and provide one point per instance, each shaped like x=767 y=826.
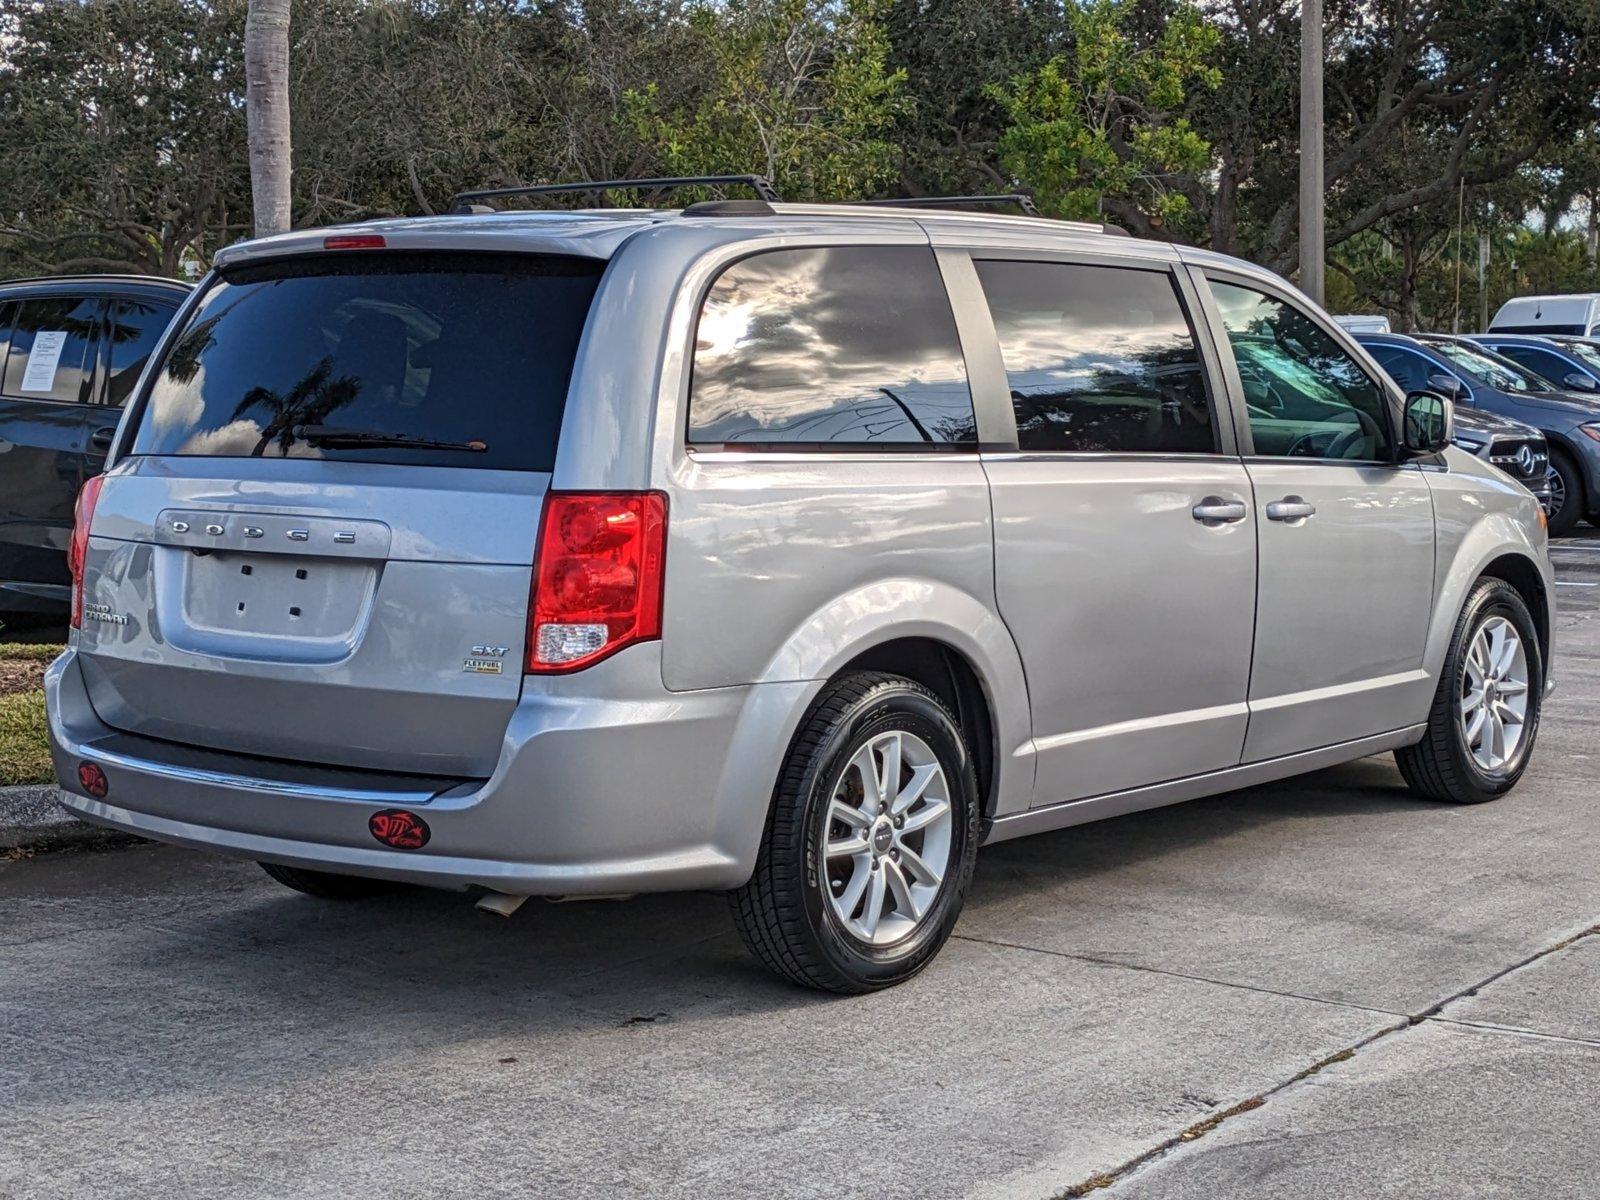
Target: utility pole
x=1312 y=231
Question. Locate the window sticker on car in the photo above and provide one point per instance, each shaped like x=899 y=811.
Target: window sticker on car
x=40 y=375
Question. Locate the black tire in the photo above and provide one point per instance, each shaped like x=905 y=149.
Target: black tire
x=1575 y=497
x=1441 y=766
x=782 y=912
x=326 y=886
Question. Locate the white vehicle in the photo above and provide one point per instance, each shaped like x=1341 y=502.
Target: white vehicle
x=1579 y=314
x=1364 y=323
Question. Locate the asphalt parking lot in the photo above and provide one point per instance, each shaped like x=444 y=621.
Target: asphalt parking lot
x=1317 y=988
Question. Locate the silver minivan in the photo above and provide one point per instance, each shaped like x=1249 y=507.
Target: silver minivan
x=792 y=551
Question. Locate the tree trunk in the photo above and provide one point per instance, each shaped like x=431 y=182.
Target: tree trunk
x=266 y=71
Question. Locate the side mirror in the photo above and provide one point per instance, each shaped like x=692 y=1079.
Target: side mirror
x=1447 y=385
x=1430 y=423
x=1579 y=383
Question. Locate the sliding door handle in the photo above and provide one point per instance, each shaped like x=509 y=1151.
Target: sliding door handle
x=1215 y=510
x=1291 y=509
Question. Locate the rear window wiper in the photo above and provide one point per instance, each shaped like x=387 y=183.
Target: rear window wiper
x=355 y=439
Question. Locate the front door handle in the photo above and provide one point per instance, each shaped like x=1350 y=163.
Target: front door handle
x=1215 y=510
x=1291 y=509
x=100 y=439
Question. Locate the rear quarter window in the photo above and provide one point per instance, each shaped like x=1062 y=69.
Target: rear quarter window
x=833 y=348
x=423 y=359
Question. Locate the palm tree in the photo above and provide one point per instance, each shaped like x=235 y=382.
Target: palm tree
x=266 y=73
x=308 y=402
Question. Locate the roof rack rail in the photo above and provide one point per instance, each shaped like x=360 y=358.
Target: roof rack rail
x=1021 y=199
x=463 y=202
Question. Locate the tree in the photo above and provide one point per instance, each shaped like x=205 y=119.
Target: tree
x=121 y=136
x=1098 y=130
x=266 y=68
x=799 y=90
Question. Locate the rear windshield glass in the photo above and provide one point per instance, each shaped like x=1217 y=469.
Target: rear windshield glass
x=423 y=359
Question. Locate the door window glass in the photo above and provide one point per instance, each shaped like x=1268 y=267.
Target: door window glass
x=134 y=329
x=1307 y=398
x=833 y=347
x=1098 y=359
x=51 y=355
x=1549 y=367
x=1409 y=370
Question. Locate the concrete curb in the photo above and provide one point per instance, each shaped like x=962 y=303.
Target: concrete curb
x=31 y=820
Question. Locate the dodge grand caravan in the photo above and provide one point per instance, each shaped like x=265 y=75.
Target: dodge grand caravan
x=788 y=550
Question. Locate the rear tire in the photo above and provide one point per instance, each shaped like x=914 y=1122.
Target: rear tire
x=870 y=842
x=1452 y=762
x=326 y=886
x=1567 y=484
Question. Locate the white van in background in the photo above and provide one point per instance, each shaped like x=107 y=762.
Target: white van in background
x=1579 y=314
x=1364 y=323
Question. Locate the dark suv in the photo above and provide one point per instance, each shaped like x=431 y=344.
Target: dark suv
x=71 y=349
x=1474 y=376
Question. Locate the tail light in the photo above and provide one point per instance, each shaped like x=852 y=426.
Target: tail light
x=597 y=576
x=78 y=551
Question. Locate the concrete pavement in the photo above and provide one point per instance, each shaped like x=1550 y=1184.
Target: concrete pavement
x=1332 y=989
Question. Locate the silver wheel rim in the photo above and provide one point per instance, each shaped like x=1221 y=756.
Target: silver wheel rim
x=886 y=842
x=1494 y=694
x=1558 y=492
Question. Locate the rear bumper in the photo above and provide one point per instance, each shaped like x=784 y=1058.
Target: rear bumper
x=606 y=783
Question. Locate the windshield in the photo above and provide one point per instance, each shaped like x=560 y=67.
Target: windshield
x=430 y=359
x=1487 y=367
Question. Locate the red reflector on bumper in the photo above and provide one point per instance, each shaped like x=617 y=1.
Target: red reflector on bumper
x=93 y=780
x=398 y=828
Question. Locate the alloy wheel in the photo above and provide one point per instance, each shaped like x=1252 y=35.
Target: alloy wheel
x=1558 y=492
x=1494 y=694
x=887 y=838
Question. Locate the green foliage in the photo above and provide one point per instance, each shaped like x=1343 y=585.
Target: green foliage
x=121 y=133
x=1102 y=121
x=799 y=90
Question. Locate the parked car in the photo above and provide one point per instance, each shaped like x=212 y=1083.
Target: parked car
x=1575 y=314
x=791 y=550
x=1568 y=363
x=72 y=349
x=1475 y=377
x=1517 y=449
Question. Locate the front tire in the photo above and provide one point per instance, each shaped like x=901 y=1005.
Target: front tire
x=1567 y=496
x=870 y=844
x=1485 y=714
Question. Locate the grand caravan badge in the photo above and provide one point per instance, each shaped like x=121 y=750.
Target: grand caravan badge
x=484 y=660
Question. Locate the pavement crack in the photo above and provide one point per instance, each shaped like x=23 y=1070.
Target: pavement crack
x=1099 y=961
x=1404 y=1022
x=1514 y=1031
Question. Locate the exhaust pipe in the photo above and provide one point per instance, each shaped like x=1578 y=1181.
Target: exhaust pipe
x=499 y=903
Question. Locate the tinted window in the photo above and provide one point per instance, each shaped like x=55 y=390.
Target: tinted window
x=1307 y=398
x=1487 y=367
x=133 y=330
x=1098 y=359
x=320 y=358
x=1550 y=367
x=52 y=348
x=847 y=346
x=1409 y=370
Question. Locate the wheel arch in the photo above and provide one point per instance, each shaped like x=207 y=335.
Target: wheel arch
x=946 y=639
x=1497 y=546
x=1521 y=573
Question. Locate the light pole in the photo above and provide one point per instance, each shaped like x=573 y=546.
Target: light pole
x=1312 y=231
